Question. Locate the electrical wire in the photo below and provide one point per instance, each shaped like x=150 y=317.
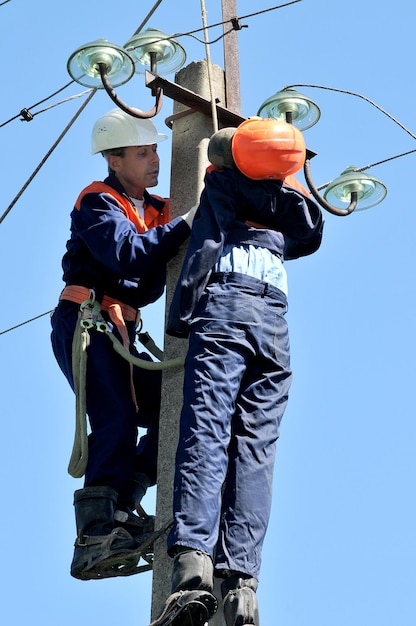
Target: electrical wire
x=8 y=330
x=205 y=28
x=367 y=167
x=174 y=36
x=26 y=111
x=48 y=154
x=358 y=95
x=374 y=104
x=397 y=156
x=147 y=18
x=55 y=104
x=190 y=33
x=243 y=17
x=37 y=104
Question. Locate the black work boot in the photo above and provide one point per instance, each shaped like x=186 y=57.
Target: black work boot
x=192 y=569
x=99 y=545
x=191 y=602
x=240 y=600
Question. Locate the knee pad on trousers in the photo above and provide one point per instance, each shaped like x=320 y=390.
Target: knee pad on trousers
x=192 y=569
x=240 y=601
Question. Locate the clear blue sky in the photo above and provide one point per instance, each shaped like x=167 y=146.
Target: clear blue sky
x=341 y=546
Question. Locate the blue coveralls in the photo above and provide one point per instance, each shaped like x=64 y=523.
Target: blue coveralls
x=237 y=370
x=108 y=253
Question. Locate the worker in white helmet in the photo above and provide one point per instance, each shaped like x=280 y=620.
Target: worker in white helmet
x=121 y=239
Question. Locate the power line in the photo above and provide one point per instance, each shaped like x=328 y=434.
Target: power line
x=357 y=95
x=148 y=16
x=48 y=154
x=235 y=22
x=3 y=332
x=24 y=111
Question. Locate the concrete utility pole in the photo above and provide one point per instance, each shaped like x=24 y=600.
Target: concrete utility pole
x=191 y=132
x=231 y=59
x=189 y=160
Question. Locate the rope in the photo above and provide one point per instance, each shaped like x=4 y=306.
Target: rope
x=48 y=154
x=81 y=340
x=146 y=365
x=79 y=456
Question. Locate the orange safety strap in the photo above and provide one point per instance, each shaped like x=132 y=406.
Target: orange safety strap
x=118 y=313
x=78 y=294
x=116 y=316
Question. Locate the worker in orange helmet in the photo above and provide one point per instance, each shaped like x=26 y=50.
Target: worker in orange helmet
x=231 y=300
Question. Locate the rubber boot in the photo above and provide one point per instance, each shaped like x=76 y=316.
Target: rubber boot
x=191 y=602
x=192 y=569
x=99 y=544
x=240 y=600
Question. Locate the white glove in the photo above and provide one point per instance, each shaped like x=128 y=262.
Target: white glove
x=189 y=217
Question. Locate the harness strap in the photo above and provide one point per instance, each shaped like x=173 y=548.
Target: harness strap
x=78 y=294
x=116 y=315
x=117 y=311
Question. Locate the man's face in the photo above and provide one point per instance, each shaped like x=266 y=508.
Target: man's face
x=137 y=169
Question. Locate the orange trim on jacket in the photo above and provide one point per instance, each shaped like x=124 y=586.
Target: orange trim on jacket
x=152 y=217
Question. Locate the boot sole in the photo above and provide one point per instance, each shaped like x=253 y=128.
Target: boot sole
x=191 y=608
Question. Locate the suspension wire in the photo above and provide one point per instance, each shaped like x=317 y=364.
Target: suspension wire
x=27 y=110
x=93 y=91
x=374 y=104
x=218 y=38
x=37 y=103
x=82 y=107
x=91 y=94
x=190 y=33
x=209 y=68
x=55 y=104
x=367 y=167
x=148 y=16
x=242 y=17
x=358 y=95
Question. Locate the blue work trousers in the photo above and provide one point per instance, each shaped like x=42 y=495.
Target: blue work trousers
x=236 y=385
x=114 y=453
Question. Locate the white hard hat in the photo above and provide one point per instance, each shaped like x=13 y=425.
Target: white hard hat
x=117 y=129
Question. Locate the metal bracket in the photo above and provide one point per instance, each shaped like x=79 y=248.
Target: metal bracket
x=192 y=100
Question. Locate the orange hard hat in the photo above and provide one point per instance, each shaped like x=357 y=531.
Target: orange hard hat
x=263 y=148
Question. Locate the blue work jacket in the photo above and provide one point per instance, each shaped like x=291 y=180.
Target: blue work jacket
x=113 y=251
x=237 y=210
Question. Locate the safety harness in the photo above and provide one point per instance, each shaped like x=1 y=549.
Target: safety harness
x=90 y=318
